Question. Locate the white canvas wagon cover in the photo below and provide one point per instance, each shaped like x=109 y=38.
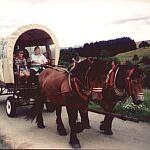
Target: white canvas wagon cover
x=29 y=35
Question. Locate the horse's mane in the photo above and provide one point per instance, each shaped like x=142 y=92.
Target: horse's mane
x=97 y=70
x=80 y=70
x=100 y=69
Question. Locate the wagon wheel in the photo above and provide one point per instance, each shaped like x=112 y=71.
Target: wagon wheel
x=50 y=107
x=2 y=90
x=11 y=106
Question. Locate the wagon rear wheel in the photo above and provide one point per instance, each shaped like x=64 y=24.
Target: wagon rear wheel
x=11 y=106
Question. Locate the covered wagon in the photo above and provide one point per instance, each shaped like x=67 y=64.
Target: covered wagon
x=26 y=37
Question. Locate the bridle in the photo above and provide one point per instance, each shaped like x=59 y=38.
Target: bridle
x=111 y=82
x=118 y=92
x=128 y=82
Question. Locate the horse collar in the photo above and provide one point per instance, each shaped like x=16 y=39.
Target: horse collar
x=111 y=81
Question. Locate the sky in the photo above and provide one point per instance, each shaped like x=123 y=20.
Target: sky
x=75 y=22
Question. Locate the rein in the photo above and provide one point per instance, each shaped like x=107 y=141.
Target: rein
x=128 y=81
x=73 y=82
x=118 y=92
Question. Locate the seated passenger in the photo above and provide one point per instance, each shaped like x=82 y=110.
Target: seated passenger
x=49 y=60
x=21 y=66
x=37 y=61
x=27 y=57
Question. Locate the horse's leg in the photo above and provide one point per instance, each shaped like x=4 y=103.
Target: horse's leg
x=60 y=126
x=106 y=125
x=84 y=124
x=84 y=117
x=72 y=115
x=39 y=118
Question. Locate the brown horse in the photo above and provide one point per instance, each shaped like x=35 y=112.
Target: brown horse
x=114 y=84
x=55 y=87
x=94 y=80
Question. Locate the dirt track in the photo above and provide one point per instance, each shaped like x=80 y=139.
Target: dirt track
x=22 y=134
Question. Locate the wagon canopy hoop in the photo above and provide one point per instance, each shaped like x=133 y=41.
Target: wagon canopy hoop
x=25 y=36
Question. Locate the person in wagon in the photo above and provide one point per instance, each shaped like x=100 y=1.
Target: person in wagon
x=37 y=61
x=21 y=65
x=49 y=60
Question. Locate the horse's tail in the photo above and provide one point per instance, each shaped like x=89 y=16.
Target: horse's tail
x=35 y=110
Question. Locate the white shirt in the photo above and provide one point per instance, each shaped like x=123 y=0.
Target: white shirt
x=39 y=59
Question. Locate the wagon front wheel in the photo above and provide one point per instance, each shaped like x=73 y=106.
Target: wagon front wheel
x=10 y=107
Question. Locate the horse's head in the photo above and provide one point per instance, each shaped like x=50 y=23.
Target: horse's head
x=95 y=78
x=121 y=79
x=134 y=80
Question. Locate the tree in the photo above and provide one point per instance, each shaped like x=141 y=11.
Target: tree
x=144 y=44
x=135 y=58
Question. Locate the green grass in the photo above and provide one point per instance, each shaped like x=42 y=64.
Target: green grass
x=140 y=112
x=141 y=52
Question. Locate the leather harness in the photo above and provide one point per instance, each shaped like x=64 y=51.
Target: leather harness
x=110 y=81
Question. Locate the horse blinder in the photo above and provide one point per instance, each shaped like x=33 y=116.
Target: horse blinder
x=138 y=97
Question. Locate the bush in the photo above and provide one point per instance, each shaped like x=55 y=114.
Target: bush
x=141 y=112
x=143 y=44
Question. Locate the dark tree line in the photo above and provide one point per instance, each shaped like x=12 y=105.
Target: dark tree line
x=144 y=44
x=106 y=48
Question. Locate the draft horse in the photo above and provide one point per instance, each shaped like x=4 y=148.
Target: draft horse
x=114 y=83
x=90 y=80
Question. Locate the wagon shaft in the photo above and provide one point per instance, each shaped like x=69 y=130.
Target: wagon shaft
x=119 y=116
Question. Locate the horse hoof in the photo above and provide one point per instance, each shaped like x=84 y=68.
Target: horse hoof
x=75 y=145
x=87 y=127
x=62 y=132
x=102 y=127
x=79 y=127
x=41 y=126
x=107 y=132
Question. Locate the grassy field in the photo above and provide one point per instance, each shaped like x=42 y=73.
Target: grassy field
x=141 y=52
x=140 y=112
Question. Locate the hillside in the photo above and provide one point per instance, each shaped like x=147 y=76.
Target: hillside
x=141 y=52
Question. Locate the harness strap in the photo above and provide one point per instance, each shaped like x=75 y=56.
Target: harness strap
x=128 y=80
x=69 y=80
x=111 y=81
x=111 y=76
x=77 y=86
